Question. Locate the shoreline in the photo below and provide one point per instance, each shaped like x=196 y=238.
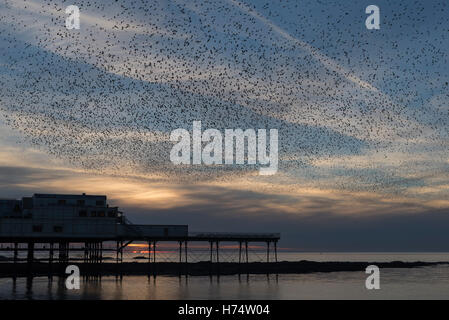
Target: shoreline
x=199 y=268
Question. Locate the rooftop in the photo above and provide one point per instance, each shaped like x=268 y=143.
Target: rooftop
x=66 y=196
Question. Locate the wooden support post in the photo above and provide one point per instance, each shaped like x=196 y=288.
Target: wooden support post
x=117 y=252
x=186 y=259
x=154 y=251
x=101 y=251
x=154 y=258
x=50 y=262
x=275 y=251
x=50 y=257
x=149 y=259
x=268 y=251
x=117 y=249
x=180 y=259
x=30 y=255
x=240 y=252
x=16 y=252
x=246 y=249
x=211 y=251
x=218 y=258
x=121 y=252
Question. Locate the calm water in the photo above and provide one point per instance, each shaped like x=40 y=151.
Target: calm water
x=418 y=283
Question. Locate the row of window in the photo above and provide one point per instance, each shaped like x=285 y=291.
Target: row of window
x=81 y=203
x=110 y=214
x=39 y=228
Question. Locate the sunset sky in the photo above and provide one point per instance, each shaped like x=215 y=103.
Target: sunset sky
x=363 y=115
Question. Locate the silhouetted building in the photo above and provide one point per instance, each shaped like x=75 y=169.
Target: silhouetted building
x=73 y=216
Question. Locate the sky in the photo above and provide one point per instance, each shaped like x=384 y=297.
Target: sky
x=362 y=115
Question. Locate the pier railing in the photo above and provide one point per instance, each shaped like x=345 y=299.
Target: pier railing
x=232 y=236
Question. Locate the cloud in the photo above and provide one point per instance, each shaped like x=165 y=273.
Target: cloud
x=426 y=230
x=321 y=58
x=300 y=87
x=308 y=219
x=125 y=123
x=361 y=144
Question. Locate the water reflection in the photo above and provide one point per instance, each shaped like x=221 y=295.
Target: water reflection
x=129 y=287
x=424 y=283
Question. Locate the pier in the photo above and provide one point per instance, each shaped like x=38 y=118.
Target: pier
x=59 y=225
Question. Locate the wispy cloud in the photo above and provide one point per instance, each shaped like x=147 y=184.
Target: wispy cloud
x=92 y=110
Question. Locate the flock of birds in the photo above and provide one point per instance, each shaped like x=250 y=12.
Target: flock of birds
x=106 y=97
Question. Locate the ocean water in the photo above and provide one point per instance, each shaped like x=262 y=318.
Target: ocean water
x=406 y=283
x=256 y=254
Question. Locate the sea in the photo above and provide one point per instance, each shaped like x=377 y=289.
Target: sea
x=404 y=283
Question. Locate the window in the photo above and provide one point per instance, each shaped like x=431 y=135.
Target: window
x=112 y=214
x=57 y=228
x=37 y=228
x=61 y=202
x=27 y=203
x=166 y=232
x=100 y=203
x=93 y=213
x=82 y=213
x=101 y=213
x=81 y=203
